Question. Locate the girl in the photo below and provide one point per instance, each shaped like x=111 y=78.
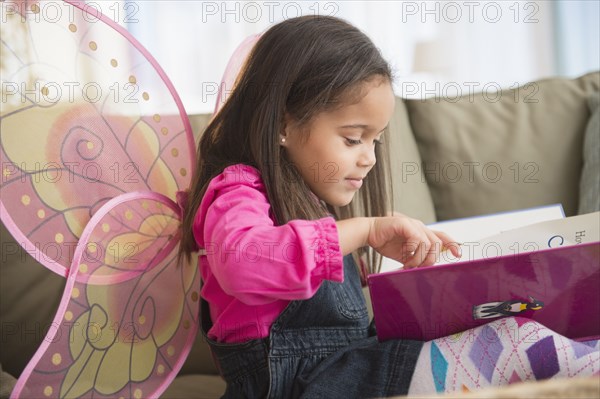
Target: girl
x=273 y=214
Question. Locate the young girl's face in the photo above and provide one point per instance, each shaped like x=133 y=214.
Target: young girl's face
x=339 y=150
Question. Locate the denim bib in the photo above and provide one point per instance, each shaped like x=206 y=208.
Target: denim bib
x=322 y=347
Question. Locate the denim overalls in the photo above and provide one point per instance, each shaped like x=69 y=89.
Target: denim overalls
x=322 y=347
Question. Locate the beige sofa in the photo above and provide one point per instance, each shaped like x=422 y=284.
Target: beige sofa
x=451 y=158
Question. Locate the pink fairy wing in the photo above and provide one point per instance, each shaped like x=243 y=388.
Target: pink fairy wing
x=87 y=115
x=234 y=66
x=129 y=313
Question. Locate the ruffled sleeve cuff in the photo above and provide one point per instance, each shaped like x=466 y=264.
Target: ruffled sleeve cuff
x=328 y=252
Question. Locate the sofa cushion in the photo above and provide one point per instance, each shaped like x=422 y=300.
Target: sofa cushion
x=195 y=386
x=7 y=383
x=491 y=152
x=411 y=192
x=589 y=186
x=29 y=298
x=199 y=123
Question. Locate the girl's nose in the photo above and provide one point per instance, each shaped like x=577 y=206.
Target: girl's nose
x=367 y=156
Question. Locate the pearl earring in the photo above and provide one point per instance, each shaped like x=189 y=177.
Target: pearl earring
x=282 y=140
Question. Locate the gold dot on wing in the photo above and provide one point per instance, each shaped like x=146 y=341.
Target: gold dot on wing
x=92 y=247
x=56 y=359
x=170 y=350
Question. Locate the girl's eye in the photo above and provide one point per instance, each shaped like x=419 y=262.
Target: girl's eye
x=357 y=142
x=353 y=142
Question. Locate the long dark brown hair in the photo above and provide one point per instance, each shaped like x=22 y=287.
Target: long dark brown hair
x=302 y=66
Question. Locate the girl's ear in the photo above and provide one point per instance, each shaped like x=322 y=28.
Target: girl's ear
x=285 y=130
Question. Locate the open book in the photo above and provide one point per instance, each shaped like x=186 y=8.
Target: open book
x=533 y=263
x=514 y=232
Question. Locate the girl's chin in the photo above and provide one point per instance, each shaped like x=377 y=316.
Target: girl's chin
x=339 y=202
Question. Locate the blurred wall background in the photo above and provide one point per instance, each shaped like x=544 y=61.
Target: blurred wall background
x=435 y=47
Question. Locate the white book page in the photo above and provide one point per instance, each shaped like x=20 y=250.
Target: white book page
x=477 y=228
x=550 y=234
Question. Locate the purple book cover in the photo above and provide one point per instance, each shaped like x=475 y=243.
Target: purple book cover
x=557 y=287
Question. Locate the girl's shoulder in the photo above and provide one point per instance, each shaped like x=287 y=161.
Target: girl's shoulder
x=234 y=175
x=243 y=180
x=236 y=184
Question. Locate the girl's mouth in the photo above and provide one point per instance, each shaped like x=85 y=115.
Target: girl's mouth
x=356 y=183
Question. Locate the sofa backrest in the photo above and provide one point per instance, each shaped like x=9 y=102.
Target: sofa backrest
x=29 y=295
x=492 y=152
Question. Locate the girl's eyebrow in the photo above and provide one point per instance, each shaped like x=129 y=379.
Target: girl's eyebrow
x=356 y=126
x=360 y=126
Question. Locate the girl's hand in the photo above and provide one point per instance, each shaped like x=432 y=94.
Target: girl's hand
x=408 y=240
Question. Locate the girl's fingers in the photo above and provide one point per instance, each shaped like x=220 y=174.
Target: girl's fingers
x=408 y=248
x=449 y=244
x=430 y=250
x=421 y=254
x=422 y=246
x=430 y=247
x=409 y=251
x=429 y=258
x=434 y=251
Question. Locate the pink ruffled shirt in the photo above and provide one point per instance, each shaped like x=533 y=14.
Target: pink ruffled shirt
x=252 y=268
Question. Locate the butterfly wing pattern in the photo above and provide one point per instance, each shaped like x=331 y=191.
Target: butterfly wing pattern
x=91 y=175
x=129 y=312
x=233 y=69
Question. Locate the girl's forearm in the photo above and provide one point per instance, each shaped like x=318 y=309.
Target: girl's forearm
x=353 y=233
